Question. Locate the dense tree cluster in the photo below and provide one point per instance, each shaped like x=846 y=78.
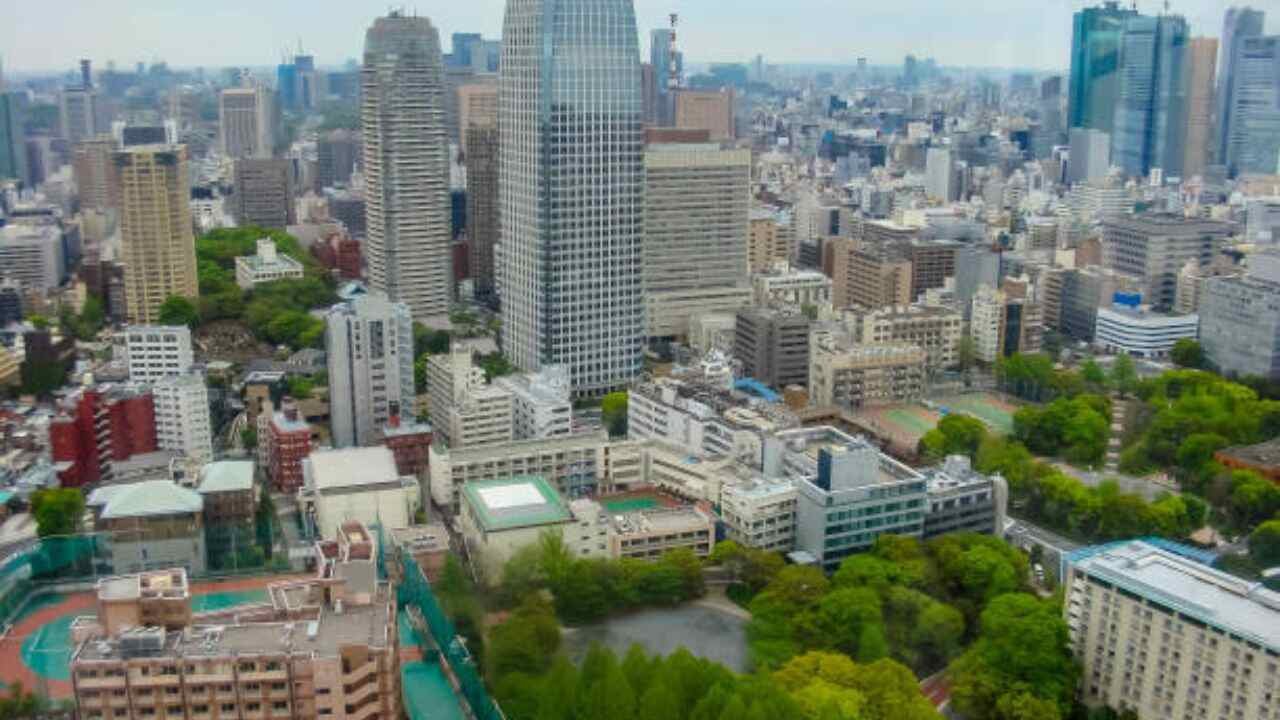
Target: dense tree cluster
x=57 y=511
x=904 y=599
x=956 y=434
x=1075 y=428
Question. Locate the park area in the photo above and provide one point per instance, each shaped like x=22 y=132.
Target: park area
x=902 y=425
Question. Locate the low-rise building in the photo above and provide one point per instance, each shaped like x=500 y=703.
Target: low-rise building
x=228 y=491
x=788 y=286
x=1141 y=332
x=760 y=513
x=465 y=410
x=284 y=444
x=773 y=345
x=266 y=265
x=848 y=374
x=410 y=443
x=648 y=534
x=964 y=500
x=703 y=419
x=936 y=330
x=427 y=545
x=1262 y=458
x=1158 y=633
x=355 y=484
x=499 y=517
x=152 y=524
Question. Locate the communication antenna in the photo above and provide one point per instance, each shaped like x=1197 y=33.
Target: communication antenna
x=673 y=73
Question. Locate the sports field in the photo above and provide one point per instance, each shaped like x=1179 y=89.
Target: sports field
x=37 y=650
x=994 y=410
x=903 y=425
x=635 y=501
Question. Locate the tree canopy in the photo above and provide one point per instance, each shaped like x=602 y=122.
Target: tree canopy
x=57 y=511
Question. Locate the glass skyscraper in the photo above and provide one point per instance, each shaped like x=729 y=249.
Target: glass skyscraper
x=1095 y=59
x=1239 y=24
x=1253 y=132
x=1150 y=124
x=571 y=190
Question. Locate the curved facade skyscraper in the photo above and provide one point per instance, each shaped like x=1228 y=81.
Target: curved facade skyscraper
x=406 y=166
x=570 y=187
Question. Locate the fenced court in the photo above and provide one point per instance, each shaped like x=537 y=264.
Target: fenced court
x=903 y=425
x=994 y=410
x=635 y=501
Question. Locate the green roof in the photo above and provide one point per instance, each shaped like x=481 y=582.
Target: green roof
x=523 y=501
x=226 y=476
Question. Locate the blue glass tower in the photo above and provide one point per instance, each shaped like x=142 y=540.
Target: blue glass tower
x=287 y=85
x=1150 y=124
x=1095 y=59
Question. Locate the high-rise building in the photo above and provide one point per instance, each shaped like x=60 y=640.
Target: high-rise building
x=92 y=169
x=157 y=351
x=1253 y=132
x=33 y=256
x=660 y=57
x=697 y=203
x=155 y=227
x=940 y=174
x=1151 y=105
x=182 y=416
x=477 y=107
x=1203 y=56
x=245 y=122
x=406 y=165
x=78 y=108
x=13 y=143
x=337 y=152
x=572 y=229
x=1240 y=319
x=1239 y=23
x=483 y=220
x=1095 y=57
x=263 y=194
x=1154 y=248
x=710 y=110
x=1090 y=155
x=369 y=342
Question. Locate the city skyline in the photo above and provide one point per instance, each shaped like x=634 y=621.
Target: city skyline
x=813 y=32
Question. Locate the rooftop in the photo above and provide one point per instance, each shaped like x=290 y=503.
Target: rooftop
x=1264 y=454
x=525 y=501
x=145 y=499
x=661 y=520
x=350 y=467
x=1237 y=606
x=226 y=476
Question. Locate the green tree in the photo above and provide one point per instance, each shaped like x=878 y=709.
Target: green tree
x=526 y=642
x=1264 y=544
x=1123 y=375
x=613 y=410
x=659 y=703
x=178 y=310
x=1091 y=372
x=956 y=434
x=1187 y=353
x=57 y=511
x=966 y=352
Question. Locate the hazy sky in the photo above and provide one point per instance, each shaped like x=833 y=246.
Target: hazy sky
x=52 y=34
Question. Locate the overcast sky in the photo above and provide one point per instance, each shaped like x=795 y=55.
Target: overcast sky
x=52 y=34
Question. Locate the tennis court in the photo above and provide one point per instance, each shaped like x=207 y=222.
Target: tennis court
x=626 y=505
x=991 y=409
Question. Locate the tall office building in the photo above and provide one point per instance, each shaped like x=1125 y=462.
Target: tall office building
x=710 y=110
x=1203 y=56
x=1095 y=55
x=477 y=106
x=696 y=206
x=940 y=174
x=369 y=344
x=157 y=240
x=336 y=155
x=1239 y=23
x=1151 y=106
x=571 y=188
x=1090 y=155
x=263 y=193
x=406 y=165
x=1253 y=133
x=92 y=168
x=13 y=144
x=483 y=219
x=78 y=108
x=660 y=57
x=245 y=122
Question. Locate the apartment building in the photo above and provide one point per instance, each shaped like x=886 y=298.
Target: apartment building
x=1240 y=319
x=760 y=513
x=868 y=277
x=773 y=345
x=157 y=351
x=849 y=374
x=932 y=262
x=284 y=439
x=769 y=239
x=936 y=330
x=702 y=419
x=540 y=404
x=182 y=416
x=465 y=410
x=1159 y=633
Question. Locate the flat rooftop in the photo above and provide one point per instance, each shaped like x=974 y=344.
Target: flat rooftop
x=524 y=501
x=1228 y=603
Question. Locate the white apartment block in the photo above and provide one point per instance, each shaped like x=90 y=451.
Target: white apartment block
x=1170 y=638
x=760 y=513
x=465 y=410
x=791 y=287
x=266 y=265
x=157 y=351
x=985 y=321
x=369 y=345
x=182 y=416
x=540 y=404
x=704 y=421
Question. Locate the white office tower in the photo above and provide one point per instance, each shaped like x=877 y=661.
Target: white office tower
x=406 y=166
x=245 y=121
x=182 y=416
x=157 y=351
x=571 y=190
x=369 y=342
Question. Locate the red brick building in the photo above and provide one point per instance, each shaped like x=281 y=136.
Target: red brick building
x=99 y=426
x=410 y=443
x=288 y=441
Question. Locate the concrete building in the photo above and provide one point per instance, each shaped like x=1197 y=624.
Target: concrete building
x=843 y=373
x=410 y=443
x=1191 y=282
x=1083 y=292
x=1202 y=56
x=1142 y=333
x=91 y=167
x=572 y=232
x=182 y=416
x=483 y=222
x=355 y=484
x=773 y=345
x=266 y=265
x=337 y=157
x=1090 y=155
x=1154 y=248
x=1253 y=125
x=648 y=534
x=32 y=256
x=157 y=351
x=263 y=194
x=78 y=113
x=465 y=410
x=760 y=513
x=369 y=348
x=229 y=492
x=540 y=404
x=1238 y=24
x=696 y=220
x=577 y=465
x=324 y=647
x=284 y=440
x=98 y=427
x=1148 y=620
x=940 y=171
x=152 y=524
x=1240 y=320
x=849 y=493
x=156 y=236
x=964 y=500
x=406 y=166
x=477 y=108
x=770 y=237
x=710 y=110
x=702 y=420
x=787 y=286
x=936 y=330
x=246 y=122
x=498 y=518
x=870 y=278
